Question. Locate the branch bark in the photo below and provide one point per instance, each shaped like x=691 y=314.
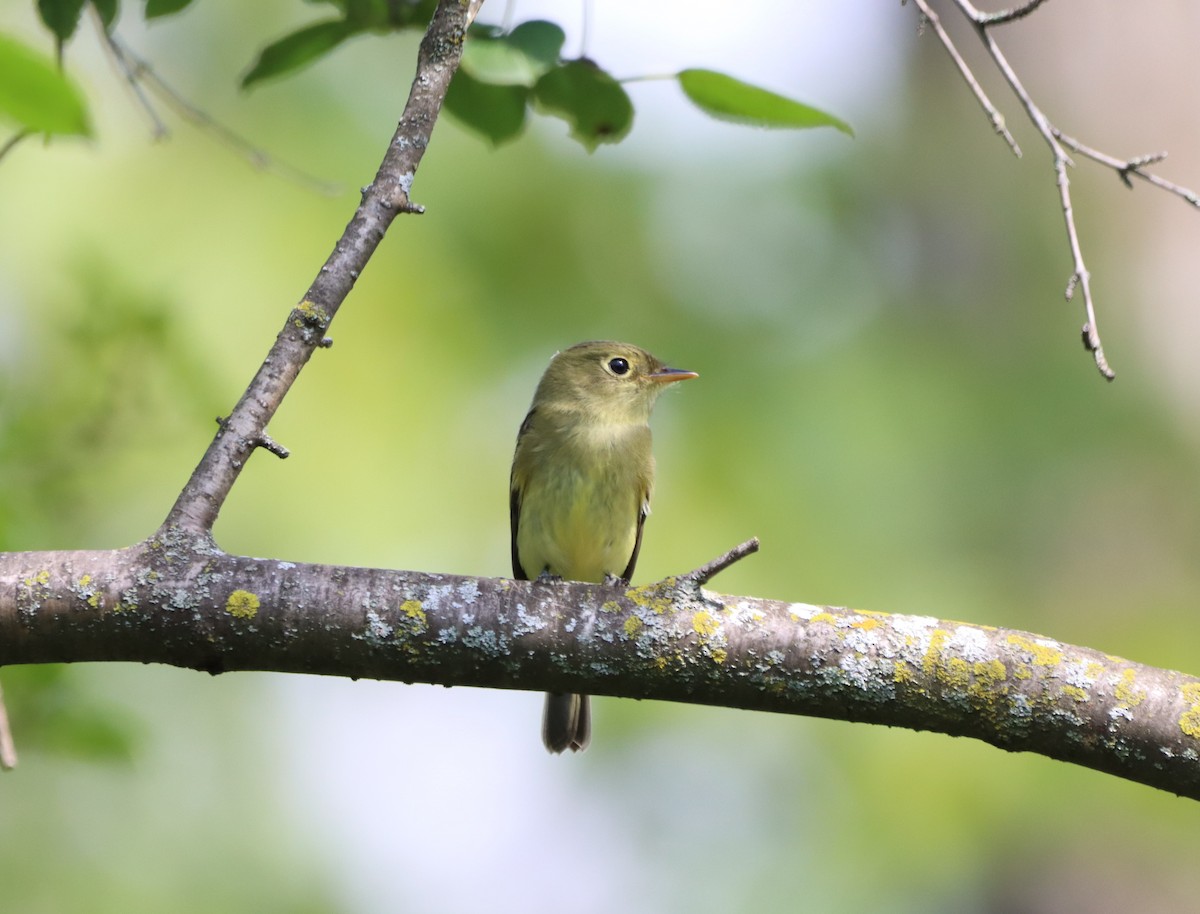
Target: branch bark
x=178 y=600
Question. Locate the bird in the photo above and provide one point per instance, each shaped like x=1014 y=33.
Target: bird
x=582 y=477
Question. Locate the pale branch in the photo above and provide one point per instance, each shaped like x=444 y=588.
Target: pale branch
x=143 y=79
x=1135 y=166
x=178 y=600
x=709 y=570
x=244 y=430
x=983 y=23
x=964 y=69
x=8 y=749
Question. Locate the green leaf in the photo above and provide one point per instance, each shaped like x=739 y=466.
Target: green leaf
x=497 y=112
x=298 y=49
x=36 y=94
x=588 y=99
x=519 y=58
x=156 y=8
x=383 y=15
x=107 y=9
x=727 y=98
x=61 y=17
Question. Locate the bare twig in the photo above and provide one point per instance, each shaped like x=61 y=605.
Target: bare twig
x=196 y=509
x=267 y=443
x=1135 y=166
x=132 y=70
x=1009 y=15
x=8 y=749
x=140 y=75
x=991 y=110
x=12 y=142
x=710 y=570
x=1058 y=143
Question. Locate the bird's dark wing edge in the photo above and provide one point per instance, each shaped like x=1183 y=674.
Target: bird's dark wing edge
x=514 y=506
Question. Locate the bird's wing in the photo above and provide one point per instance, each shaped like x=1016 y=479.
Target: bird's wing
x=514 y=504
x=643 y=510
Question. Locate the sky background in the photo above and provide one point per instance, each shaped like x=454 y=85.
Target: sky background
x=892 y=396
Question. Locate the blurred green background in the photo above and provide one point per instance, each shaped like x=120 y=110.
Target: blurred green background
x=892 y=396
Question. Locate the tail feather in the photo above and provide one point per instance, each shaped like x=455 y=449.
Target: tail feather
x=566 y=722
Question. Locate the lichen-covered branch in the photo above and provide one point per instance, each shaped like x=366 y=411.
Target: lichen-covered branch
x=176 y=599
x=244 y=430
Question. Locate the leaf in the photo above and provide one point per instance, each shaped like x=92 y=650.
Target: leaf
x=61 y=17
x=383 y=15
x=588 y=99
x=519 y=58
x=36 y=94
x=107 y=10
x=497 y=112
x=298 y=50
x=727 y=98
x=156 y=8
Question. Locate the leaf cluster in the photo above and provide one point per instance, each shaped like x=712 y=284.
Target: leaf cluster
x=505 y=74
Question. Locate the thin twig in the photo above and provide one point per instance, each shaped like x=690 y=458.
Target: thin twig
x=8 y=749
x=141 y=76
x=132 y=71
x=1010 y=15
x=989 y=109
x=196 y=509
x=1058 y=143
x=710 y=570
x=1135 y=166
x=1080 y=277
x=12 y=141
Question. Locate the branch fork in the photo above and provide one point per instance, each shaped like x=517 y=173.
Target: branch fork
x=983 y=24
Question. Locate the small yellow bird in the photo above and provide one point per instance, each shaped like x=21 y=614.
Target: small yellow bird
x=581 y=481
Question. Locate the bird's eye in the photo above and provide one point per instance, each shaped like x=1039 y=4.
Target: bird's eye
x=618 y=366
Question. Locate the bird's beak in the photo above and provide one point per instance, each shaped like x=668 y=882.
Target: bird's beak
x=668 y=375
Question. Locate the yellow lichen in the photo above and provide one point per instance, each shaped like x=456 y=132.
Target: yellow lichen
x=987 y=678
x=1072 y=691
x=312 y=313
x=1043 y=654
x=42 y=578
x=1189 y=723
x=1125 y=692
x=660 y=662
x=649 y=598
x=610 y=606
x=704 y=623
x=865 y=624
x=414 y=611
x=1022 y=671
x=242 y=604
x=933 y=654
x=633 y=625
x=823 y=617
x=956 y=673
x=720 y=655
x=903 y=672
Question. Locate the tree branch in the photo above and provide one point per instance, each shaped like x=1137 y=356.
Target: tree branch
x=178 y=600
x=244 y=430
x=983 y=23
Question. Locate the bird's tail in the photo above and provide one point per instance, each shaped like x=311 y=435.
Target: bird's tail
x=567 y=722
